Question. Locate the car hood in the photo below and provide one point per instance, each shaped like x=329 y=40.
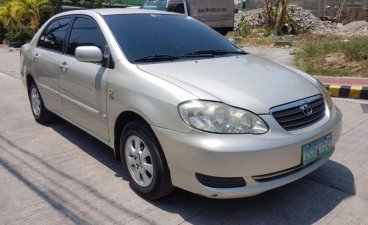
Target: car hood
x=244 y=81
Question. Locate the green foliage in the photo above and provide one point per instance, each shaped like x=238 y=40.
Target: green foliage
x=20 y=35
x=355 y=48
x=22 y=18
x=243 y=28
x=294 y=26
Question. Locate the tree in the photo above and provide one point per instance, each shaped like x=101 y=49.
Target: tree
x=8 y=17
x=274 y=17
x=22 y=18
x=281 y=15
x=31 y=11
x=268 y=14
x=55 y=6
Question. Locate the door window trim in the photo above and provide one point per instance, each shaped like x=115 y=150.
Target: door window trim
x=64 y=41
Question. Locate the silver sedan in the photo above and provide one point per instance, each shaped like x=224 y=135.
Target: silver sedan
x=180 y=105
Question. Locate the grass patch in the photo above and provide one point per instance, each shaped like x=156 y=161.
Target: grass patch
x=334 y=56
x=318 y=54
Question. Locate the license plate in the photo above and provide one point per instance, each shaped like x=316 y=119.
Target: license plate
x=317 y=149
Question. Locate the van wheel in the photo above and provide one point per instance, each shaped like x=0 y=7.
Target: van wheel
x=143 y=158
x=39 y=111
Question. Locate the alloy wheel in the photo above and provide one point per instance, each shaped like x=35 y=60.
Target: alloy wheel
x=139 y=161
x=36 y=102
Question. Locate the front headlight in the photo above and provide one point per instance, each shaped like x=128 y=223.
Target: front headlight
x=326 y=94
x=217 y=117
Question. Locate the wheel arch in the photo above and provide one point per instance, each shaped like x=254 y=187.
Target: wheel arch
x=122 y=120
x=29 y=80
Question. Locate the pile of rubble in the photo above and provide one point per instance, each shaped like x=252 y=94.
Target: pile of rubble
x=302 y=18
x=353 y=28
x=307 y=21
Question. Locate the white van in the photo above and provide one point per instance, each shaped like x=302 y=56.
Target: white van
x=218 y=14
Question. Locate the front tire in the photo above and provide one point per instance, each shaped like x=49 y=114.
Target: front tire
x=143 y=159
x=39 y=111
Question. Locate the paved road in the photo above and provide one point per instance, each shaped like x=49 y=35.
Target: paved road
x=280 y=55
x=9 y=61
x=58 y=174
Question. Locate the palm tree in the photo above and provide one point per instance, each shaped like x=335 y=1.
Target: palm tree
x=20 y=13
x=274 y=20
x=31 y=11
x=7 y=17
x=22 y=18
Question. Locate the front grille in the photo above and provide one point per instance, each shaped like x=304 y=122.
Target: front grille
x=291 y=116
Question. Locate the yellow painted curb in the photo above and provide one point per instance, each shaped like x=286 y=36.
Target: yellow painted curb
x=334 y=90
x=355 y=91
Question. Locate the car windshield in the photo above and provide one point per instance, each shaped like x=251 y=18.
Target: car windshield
x=162 y=37
x=155 y=5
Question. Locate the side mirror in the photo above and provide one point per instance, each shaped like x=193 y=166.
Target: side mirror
x=88 y=54
x=232 y=40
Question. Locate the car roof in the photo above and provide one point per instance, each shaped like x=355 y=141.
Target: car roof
x=116 y=11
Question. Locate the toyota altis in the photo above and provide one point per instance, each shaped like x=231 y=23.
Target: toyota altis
x=179 y=104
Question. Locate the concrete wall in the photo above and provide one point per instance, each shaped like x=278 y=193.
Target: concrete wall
x=354 y=9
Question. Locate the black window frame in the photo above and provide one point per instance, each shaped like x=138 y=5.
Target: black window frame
x=107 y=62
x=66 y=33
x=75 y=17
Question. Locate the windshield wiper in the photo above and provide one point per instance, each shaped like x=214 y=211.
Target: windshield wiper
x=211 y=53
x=157 y=58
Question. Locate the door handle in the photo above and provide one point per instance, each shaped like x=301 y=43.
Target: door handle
x=36 y=56
x=63 y=67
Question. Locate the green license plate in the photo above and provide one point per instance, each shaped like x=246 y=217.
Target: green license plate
x=317 y=149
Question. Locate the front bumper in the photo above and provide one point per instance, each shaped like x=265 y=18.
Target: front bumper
x=246 y=156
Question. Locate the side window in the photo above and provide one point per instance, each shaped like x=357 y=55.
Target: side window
x=85 y=32
x=54 y=35
x=177 y=7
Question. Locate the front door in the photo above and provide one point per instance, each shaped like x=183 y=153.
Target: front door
x=83 y=85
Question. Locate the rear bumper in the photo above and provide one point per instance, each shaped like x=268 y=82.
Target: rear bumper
x=243 y=156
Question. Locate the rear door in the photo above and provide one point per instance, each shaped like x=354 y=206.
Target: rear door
x=83 y=85
x=46 y=59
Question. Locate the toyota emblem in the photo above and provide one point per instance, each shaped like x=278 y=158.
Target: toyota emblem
x=306 y=109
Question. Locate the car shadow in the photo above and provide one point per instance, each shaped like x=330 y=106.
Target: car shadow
x=89 y=144
x=302 y=202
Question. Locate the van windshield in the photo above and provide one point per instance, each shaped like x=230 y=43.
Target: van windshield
x=164 y=37
x=155 y=5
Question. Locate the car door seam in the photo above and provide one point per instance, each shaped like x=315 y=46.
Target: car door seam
x=81 y=104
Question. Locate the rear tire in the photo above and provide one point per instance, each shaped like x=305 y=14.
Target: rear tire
x=143 y=159
x=39 y=111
